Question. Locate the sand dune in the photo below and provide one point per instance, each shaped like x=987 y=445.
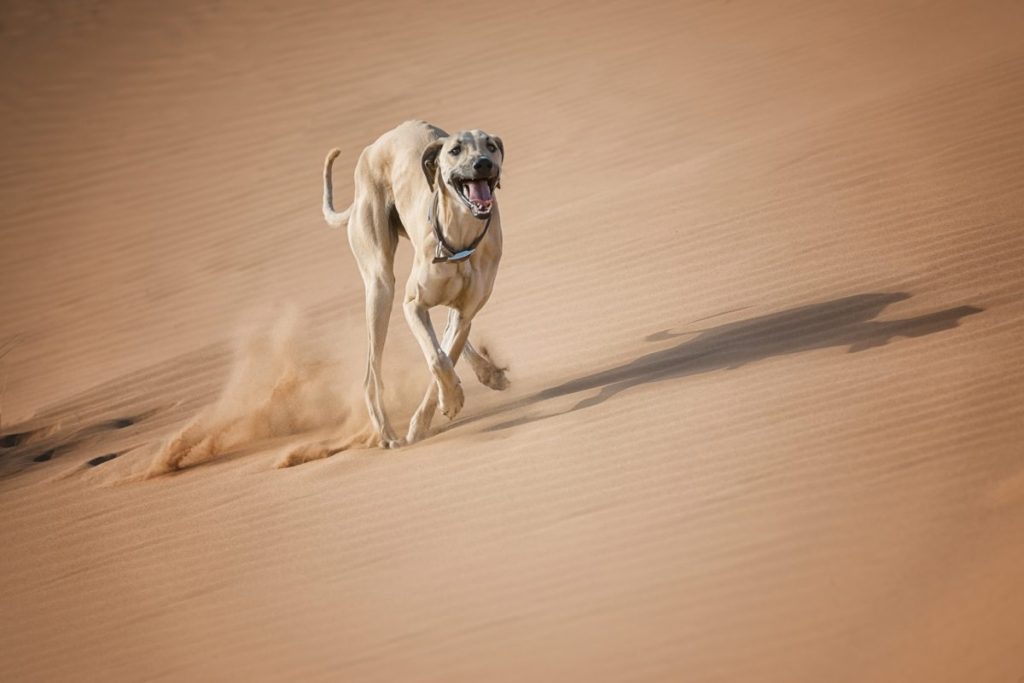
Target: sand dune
x=760 y=299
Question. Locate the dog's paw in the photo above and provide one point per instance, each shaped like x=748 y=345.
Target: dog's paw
x=486 y=370
x=493 y=378
x=419 y=426
x=390 y=444
x=452 y=400
x=416 y=433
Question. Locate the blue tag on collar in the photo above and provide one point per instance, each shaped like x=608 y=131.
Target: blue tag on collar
x=464 y=254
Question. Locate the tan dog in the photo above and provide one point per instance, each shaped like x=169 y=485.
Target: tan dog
x=418 y=182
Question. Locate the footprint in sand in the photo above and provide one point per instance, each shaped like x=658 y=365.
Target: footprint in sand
x=100 y=459
x=14 y=439
x=35 y=445
x=43 y=457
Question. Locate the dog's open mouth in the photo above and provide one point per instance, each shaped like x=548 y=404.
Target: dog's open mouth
x=478 y=194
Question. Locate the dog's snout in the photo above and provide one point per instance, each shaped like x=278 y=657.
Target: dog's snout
x=483 y=164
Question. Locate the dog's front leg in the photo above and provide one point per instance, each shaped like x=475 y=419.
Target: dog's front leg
x=439 y=363
x=456 y=336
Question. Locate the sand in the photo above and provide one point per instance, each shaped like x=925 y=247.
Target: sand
x=760 y=300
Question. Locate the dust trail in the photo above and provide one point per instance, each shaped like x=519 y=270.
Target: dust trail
x=284 y=381
x=343 y=440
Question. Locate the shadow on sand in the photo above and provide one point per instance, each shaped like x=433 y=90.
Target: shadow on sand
x=845 y=322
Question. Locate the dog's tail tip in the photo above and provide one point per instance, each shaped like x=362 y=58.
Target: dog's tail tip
x=337 y=219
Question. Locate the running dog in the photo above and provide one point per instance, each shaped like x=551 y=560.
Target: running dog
x=437 y=190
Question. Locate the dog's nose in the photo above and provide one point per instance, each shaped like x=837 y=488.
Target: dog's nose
x=483 y=164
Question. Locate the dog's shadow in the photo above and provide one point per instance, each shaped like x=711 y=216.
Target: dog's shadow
x=848 y=322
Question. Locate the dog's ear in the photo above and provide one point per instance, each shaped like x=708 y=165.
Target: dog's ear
x=501 y=146
x=429 y=161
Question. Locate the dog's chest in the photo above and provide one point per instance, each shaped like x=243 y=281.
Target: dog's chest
x=451 y=284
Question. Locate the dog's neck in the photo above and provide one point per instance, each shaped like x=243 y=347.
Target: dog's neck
x=457 y=231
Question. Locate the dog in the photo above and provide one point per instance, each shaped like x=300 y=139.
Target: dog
x=418 y=182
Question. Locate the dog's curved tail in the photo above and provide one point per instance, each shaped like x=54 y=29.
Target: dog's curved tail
x=335 y=219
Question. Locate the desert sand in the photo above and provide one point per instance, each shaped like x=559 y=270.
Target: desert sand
x=761 y=304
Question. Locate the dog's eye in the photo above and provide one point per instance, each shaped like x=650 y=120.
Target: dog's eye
x=455 y=151
x=491 y=148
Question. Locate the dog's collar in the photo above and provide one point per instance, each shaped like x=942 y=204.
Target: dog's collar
x=446 y=253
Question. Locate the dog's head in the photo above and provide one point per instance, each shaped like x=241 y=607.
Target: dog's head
x=468 y=166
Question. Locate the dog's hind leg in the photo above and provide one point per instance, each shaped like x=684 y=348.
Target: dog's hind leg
x=489 y=374
x=380 y=292
x=373 y=245
x=456 y=335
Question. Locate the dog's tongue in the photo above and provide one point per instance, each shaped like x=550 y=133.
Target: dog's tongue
x=479 y=192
